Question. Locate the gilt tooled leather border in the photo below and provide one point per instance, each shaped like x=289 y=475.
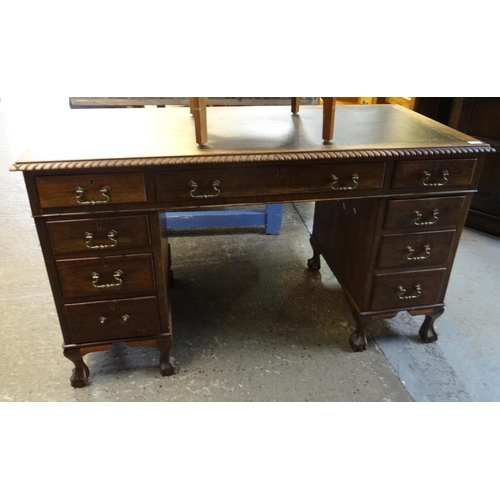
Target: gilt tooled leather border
x=193 y=160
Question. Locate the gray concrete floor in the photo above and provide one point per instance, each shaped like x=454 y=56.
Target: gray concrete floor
x=250 y=322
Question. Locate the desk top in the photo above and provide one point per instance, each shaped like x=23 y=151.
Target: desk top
x=128 y=137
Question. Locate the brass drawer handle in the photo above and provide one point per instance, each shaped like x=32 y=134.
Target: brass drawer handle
x=103 y=319
x=418 y=218
x=425 y=176
x=111 y=235
x=80 y=192
x=117 y=276
x=335 y=179
x=404 y=296
x=194 y=187
x=410 y=251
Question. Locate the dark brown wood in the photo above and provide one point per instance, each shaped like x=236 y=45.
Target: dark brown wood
x=424 y=213
x=98 y=235
x=61 y=190
x=76 y=275
x=373 y=209
x=113 y=320
x=409 y=250
x=481 y=116
x=295 y=105
x=80 y=375
x=433 y=173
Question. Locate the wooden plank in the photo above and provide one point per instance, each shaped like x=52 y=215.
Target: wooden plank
x=111 y=102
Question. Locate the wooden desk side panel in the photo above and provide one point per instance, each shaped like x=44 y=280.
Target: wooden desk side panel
x=344 y=233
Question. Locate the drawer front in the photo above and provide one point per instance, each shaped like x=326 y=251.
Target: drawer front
x=113 y=320
x=106 y=275
x=406 y=290
x=433 y=174
x=424 y=213
x=415 y=249
x=96 y=236
x=90 y=190
x=222 y=184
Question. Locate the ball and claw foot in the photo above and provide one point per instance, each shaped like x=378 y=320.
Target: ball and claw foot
x=314 y=263
x=167 y=367
x=80 y=378
x=80 y=375
x=427 y=331
x=358 y=341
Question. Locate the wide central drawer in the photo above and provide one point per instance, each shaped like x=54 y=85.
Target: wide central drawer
x=218 y=184
x=113 y=319
x=99 y=235
x=106 y=275
x=89 y=189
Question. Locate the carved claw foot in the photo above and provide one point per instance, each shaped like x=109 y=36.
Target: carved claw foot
x=81 y=372
x=427 y=331
x=167 y=366
x=358 y=340
x=314 y=263
x=358 y=337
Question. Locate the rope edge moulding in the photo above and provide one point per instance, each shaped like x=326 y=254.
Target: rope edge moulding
x=320 y=155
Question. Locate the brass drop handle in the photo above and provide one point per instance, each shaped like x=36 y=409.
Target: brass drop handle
x=117 y=275
x=111 y=235
x=194 y=186
x=335 y=179
x=80 y=193
x=410 y=253
x=418 y=218
x=426 y=175
x=103 y=319
x=403 y=293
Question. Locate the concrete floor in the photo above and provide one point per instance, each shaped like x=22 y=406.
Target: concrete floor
x=250 y=322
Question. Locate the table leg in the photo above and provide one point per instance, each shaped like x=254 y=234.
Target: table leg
x=328 y=118
x=198 y=106
x=80 y=375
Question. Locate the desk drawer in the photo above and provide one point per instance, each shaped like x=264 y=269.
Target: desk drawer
x=415 y=249
x=99 y=235
x=89 y=189
x=113 y=320
x=433 y=174
x=406 y=290
x=424 y=213
x=106 y=275
x=217 y=184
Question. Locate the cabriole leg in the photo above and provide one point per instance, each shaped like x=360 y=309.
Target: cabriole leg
x=167 y=366
x=80 y=375
x=427 y=331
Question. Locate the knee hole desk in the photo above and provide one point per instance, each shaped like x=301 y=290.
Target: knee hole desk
x=391 y=192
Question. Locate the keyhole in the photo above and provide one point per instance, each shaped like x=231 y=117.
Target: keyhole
x=276 y=173
x=112 y=306
x=106 y=263
x=98 y=225
x=91 y=182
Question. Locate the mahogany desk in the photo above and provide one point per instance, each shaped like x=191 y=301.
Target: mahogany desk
x=392 y=194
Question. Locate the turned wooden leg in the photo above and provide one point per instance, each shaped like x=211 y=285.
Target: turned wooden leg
x=80 y=375
x=167 y=366
x=295 y=105
x=427 y=331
